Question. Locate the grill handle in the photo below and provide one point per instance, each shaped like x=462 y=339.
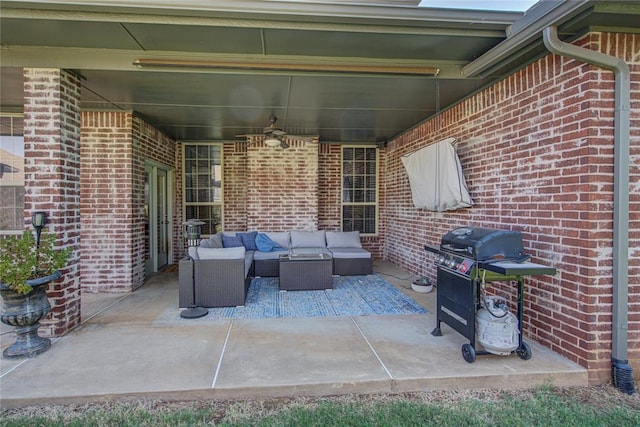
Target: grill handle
x=519 y=260
x=433 y=249
x=451 y=248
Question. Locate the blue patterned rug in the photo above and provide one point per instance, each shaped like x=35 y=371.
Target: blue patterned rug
x=351 y=296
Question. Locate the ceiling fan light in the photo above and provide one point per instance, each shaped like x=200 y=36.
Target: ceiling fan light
x=272 y=141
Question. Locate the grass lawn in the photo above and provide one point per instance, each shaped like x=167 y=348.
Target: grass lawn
x=592 y=406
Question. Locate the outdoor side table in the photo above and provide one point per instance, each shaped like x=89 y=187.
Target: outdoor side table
x=306 y=271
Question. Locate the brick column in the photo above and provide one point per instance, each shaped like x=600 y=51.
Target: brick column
x=52 y=179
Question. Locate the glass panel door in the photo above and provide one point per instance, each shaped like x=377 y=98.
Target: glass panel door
x=162 y=219
x=158 y=214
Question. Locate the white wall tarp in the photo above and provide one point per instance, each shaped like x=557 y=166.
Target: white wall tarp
x=436 y=179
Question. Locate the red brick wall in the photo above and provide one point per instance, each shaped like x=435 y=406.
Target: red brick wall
x=268 y=184
x=329 y=185
x=107 y=201
x=282 y=186
x=114 y=148
x=235 y=186
x=238 y=185
x=178 y=241
x=52 y=169
x=537 y=152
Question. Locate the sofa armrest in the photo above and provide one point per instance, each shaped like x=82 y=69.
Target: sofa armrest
x=221 y=253
x=185 y=282
x=220 y=283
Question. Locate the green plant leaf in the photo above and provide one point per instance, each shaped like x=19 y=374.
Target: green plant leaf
x=22 y=260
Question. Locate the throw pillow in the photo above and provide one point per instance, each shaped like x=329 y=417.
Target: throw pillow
x=249 y=240
x=281 y=238
x=214 y=241
x=265 y=244
x=231 y=241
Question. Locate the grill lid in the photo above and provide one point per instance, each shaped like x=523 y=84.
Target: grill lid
x=484 y=244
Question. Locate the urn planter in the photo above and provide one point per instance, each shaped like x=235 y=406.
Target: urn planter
x=23 y=312
x=27 y=265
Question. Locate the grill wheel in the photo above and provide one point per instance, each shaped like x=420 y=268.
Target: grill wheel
x=524 y=351
x=469 y=353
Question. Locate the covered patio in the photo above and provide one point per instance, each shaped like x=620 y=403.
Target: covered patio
x=112 y=99
x=121 y=352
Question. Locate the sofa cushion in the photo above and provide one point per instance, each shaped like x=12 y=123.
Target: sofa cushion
x=350 y=253
x=343 y=239
x=249 y=240
x=308 y=239
x=221 y=253
x=282 y=238
x=232 y=241
x=265 y=244
x=275 y=254
x=215 y=241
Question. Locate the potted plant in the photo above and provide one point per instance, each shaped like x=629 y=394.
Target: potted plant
x=26 y=267
x=422 y=285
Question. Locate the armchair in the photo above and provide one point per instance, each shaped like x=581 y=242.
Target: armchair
x=222 y=277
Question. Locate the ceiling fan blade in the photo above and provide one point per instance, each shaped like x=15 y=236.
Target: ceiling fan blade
x=305 y=138
x=278 y=132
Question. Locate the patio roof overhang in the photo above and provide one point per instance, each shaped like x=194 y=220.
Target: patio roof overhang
x=345 y=72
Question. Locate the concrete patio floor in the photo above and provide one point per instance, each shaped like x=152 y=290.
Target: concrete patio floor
x=120 y=352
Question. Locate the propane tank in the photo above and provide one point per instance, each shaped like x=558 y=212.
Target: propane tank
x=496 y=327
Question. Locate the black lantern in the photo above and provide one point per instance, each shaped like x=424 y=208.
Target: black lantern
x=192 y=231
x=38 y=221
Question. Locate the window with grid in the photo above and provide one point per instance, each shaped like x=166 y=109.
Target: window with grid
x=11 y=173
x=360 y=189
x=203 y=185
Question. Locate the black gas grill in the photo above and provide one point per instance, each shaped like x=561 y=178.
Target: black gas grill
x=467 y=260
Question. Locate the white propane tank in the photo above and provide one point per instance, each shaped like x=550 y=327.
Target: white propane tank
x=497 y=332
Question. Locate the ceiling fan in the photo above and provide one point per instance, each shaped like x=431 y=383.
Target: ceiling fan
x=274 y=136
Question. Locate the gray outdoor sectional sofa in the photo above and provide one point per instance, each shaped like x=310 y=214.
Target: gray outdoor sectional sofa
x=224 y=264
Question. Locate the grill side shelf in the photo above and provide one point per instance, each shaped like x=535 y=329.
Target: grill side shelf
x=518 y=269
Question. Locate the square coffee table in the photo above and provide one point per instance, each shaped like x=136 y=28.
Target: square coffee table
x=306 y=270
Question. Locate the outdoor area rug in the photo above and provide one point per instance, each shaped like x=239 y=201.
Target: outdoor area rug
x=351 y=296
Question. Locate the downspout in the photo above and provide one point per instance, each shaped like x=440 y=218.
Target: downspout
x=622 y=373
